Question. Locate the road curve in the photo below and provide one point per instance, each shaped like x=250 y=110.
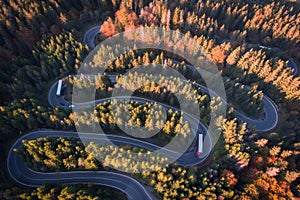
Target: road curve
x=293 y=65
x=269 y=120
x=132 y=188
x=290 y=63
x=23 y=175
x=267 y=123
x=198 y=127
x=89 y=36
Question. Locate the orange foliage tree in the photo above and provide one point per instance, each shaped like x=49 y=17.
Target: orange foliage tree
x=218 y=55
x=108 y=28
x=230 y=178
x=126 y=17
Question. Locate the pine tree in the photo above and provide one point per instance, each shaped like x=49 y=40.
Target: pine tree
x=234 y=56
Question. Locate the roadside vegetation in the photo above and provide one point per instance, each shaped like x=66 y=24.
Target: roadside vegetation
x=77 y=192
x=150 y=116
x=65 y=154
x=236 y=165
x=166 y=90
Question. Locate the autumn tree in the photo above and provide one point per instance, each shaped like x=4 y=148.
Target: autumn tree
x=108 y=28
x=234 y=56
x=218 y=55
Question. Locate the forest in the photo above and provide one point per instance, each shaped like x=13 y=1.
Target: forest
x=248 y=101
x=73 y=192
x=148 y=115
x=251 y=43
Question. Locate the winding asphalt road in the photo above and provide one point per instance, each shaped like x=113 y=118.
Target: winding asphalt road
x=197 y=127
x=293 y=65
x=290 y=63
x=23 y=175
x=265 y=124
x=89 y=36
x=132 y=188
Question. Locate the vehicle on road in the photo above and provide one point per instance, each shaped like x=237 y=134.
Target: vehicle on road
x=59 y=85
x=200 y=145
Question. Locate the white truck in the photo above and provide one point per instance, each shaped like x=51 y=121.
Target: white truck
x=59 y=85
x=200 y=145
